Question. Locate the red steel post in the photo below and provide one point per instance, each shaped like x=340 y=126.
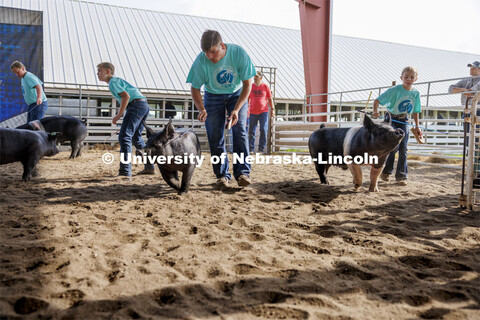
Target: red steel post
x=316 y=30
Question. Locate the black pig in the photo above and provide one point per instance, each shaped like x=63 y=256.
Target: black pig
x=72 y=129
x=26 y=146
x=170 y=143
x=373 y=139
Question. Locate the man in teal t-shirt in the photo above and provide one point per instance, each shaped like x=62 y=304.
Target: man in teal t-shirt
x=226 y=71
x=32 y=92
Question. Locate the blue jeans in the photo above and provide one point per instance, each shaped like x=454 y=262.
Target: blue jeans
x=131 y=133
x=36 y=112
x=254 y=119
x=402 y=169
x=216 y=106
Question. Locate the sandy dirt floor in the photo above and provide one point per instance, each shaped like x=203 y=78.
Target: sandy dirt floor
x=77 y=243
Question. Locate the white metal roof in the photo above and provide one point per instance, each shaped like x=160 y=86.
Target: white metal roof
x=155 y=49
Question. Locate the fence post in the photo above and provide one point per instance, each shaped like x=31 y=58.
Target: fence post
x=304 y=109
x=193 y=113
x=428 y=104
x=80 y=101
x=428 y=94
x=60 y=104
x=339 y=115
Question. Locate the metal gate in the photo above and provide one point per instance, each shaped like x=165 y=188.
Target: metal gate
x=470 y=193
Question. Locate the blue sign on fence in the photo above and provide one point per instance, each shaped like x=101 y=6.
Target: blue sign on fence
x=24 y=43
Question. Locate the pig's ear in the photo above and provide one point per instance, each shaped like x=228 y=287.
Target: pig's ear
x=170 y=130
x=367 y=123
x=150 y=131
x=388 y=118
x=54 y=135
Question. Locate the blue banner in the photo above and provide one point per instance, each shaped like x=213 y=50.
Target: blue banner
x=23 y=43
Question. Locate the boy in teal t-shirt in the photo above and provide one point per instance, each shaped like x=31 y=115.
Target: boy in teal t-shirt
x=226 y=71
x=32 y=92
x=137 y=109
x=400 y=101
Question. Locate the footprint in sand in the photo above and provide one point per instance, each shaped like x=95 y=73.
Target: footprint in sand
x=243 y=269
x=27 y=305
x=343 y=268
x=73 y=296
x=434 y=313
x=271 y=312
x=256 y=237
x=325 y=231
x=416 y=300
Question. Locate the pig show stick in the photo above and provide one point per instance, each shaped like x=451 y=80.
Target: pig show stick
x=369 y=96
x=105 y=141
x=228 y=126
x=368 y=100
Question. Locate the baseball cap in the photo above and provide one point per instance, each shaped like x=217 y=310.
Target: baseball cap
x=475 y=64
x=260 y=74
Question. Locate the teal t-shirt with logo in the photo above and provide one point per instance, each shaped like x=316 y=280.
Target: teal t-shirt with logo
x=29 y=81
x=225 y=76
x=117 y=85
x=401 y=101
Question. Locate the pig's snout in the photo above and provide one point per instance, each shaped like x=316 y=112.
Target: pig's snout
x=399 y=133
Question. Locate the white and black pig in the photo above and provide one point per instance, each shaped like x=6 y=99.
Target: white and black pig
x=169 y=142
x=26 y=146
x=72 y=129
x=372 y=138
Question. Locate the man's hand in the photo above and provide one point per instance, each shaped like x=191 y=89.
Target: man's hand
x=116 y=118
x=202 y=116
x=39 y=101
x=234 y=117
x=375 y=114
x=418 y=131
x=467 y=93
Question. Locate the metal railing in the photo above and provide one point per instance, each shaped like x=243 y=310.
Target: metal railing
x=441 y=115
x=96 y=104
x=441 y=119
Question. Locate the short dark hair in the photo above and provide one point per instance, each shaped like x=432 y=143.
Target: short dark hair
x=106 y=65
x=210 y=38
x=17 y=65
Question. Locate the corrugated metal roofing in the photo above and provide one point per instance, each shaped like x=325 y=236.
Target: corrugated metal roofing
x=155 y=49
x=19 y=17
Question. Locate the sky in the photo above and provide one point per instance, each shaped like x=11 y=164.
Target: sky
x=447 y=25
